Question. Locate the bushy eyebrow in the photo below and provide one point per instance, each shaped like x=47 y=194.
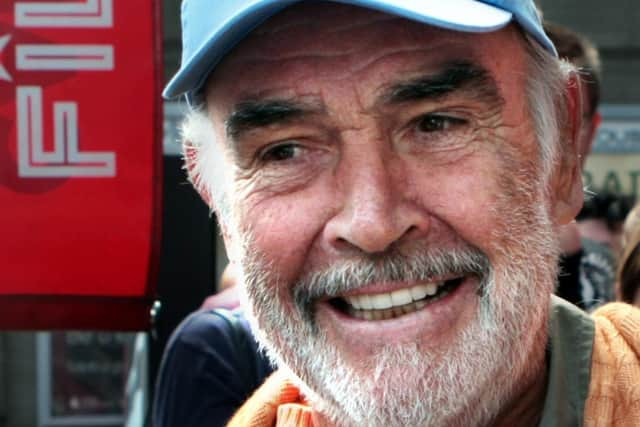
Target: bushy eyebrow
x=460 y=77
x=249 y=115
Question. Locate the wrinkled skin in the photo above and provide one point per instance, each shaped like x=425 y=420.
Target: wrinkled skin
x=356 y=175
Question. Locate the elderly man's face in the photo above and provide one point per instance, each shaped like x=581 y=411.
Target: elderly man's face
x=387 y=208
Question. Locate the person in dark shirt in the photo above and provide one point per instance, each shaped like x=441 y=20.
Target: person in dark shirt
x=210 y=367
x=211 y=363
x=587 y=275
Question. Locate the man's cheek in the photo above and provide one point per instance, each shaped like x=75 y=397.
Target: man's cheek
x=279 y=236
x=460 y=197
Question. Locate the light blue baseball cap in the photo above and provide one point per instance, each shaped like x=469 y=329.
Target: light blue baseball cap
x=211 y=28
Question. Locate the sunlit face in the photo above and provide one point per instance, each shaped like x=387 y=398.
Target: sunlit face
x=386 y=208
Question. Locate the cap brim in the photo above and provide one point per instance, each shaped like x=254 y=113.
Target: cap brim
x=459 y=15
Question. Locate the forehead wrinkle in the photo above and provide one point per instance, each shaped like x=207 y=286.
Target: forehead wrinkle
x=358 y=59
x=388 y=54
x=354 y=66
x=363 y=57
x=302 y=54
x=311 y=22
x=282 y=39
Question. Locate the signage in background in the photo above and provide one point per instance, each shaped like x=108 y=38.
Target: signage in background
x=614 y=164
x=89 y=372
x=80 y=158
x=82 y=377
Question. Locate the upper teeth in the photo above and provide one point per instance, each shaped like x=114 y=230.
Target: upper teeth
x=394 y=299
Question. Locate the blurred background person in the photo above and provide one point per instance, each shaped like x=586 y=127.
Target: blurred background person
x=631 y=224
x=227 y=295
x=210 y=365
x=628 y=280
x=587 y=269
x=602 y=218
x=591 y=249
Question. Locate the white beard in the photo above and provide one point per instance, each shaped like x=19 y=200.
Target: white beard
x=466 y=384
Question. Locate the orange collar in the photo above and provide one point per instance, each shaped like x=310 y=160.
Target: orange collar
x=277 y=403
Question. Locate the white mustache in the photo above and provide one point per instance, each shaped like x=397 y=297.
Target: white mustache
x=420 y=265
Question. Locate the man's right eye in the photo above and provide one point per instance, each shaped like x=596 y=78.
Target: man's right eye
x=281 y=152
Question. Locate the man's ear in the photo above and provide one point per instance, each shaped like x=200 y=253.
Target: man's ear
x=567 y=179
x=588 y=137
x=190 y=165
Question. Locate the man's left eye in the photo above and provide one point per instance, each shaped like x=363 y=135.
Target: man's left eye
x=438 y=123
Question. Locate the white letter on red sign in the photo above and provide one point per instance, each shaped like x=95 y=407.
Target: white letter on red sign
x=64 y=57
x=65 y=160
x=87 y=14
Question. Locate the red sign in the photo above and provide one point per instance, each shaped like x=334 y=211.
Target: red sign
x=80 y=152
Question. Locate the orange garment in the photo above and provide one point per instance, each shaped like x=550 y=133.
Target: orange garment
x=614 y=388
x=277 y=403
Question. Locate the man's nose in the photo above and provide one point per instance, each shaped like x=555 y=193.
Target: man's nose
x=376 y=206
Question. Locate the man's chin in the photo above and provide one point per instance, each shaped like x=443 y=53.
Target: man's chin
x=399 y=382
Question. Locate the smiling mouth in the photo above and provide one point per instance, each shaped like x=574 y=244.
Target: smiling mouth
x=383 y=306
